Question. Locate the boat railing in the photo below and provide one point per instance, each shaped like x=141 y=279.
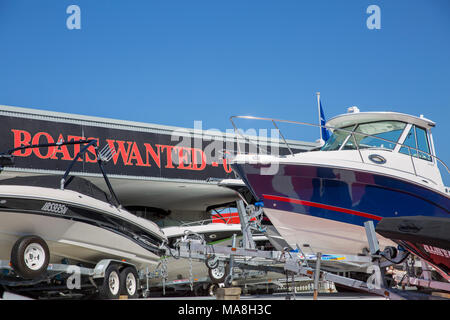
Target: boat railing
x=411 y=150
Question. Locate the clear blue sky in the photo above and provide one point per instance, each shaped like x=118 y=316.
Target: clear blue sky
x=175 y=61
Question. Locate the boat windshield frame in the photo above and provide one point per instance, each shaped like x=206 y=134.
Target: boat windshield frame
x=358 y=136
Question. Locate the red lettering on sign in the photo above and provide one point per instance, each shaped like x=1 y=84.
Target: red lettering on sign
x=36 y=140
x=169 y=149
x=129 y=152
x=198 y=154
x=183 y=157
x=136 y=155
x=21 y=138
x=156 y=157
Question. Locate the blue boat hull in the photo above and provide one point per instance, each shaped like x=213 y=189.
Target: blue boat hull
x=308 y=200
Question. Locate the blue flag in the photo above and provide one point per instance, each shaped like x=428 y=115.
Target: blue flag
x=325 y=134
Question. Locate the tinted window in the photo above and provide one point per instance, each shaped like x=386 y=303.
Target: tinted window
x=421 y=143
x=385 y=130
x=410 y=141
x=337 y=139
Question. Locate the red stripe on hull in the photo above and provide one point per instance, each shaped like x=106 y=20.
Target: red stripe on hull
x=322 y=206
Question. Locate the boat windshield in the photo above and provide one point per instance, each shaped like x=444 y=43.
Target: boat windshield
x=338 y=137
x=388 y=130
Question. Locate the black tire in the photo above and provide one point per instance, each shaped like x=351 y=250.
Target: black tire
x=110 y=286
x=30 y=257
x=219 y=274
x=128 y=275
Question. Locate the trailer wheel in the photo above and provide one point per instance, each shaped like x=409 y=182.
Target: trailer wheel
x=129 y=282
x=110 y=287
x=30 y=257
x=219 y=274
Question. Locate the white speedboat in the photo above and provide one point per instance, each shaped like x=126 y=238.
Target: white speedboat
x=45 y=219
x=375 y=165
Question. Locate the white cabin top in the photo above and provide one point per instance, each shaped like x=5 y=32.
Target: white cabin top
x=349 y=119
x=400 y=140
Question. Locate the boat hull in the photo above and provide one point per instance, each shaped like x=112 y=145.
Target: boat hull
x=326 y=207
x=314 y=234
x=73 y=240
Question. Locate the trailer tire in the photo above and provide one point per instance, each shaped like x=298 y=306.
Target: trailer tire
x=30 y=257
x=129 y=282
x=219 y=274
x=110 y=286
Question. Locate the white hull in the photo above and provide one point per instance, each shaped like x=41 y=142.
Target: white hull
x=214 y=229
x=76 y=241
x=322 y=235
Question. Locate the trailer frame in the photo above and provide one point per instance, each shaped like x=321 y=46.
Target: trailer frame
x=312 y=266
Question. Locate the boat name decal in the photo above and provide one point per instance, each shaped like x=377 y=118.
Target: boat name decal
x=437 y=251
x=54 y=207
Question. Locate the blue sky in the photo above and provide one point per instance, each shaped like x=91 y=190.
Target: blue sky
x=173 y=62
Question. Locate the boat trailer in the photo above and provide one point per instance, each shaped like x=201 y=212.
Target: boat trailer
x=222 y=262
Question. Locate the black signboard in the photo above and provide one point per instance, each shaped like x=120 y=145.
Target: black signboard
x=142 y=153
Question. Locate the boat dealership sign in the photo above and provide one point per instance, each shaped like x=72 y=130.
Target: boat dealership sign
x=144 y=150
x=136 y=153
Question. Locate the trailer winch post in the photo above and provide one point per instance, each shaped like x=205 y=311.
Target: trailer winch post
x=244 y=219
x=371 y=237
